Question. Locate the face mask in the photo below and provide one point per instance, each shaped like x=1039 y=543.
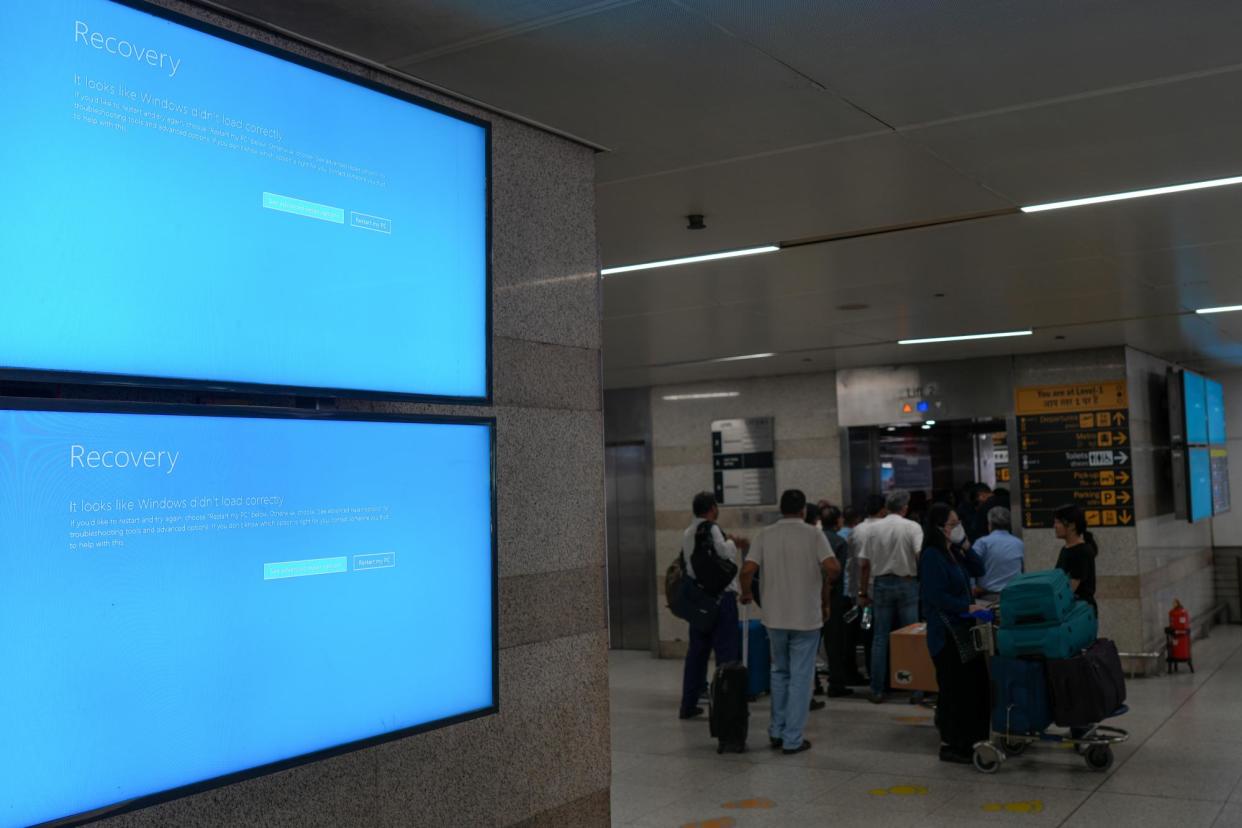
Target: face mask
x=958 y=534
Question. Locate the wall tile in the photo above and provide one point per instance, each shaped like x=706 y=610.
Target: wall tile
x=551 y=605
x=550 y=476
x=538 y=375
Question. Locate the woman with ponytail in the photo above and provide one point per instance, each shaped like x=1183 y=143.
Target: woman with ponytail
x=1077 y=558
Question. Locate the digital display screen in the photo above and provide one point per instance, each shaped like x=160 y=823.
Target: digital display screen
x=1199 y=483
x=183 y=207
x=1194 y=394
x=185 y=597
x=1215 y=404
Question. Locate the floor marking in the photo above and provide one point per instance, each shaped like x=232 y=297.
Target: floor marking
x=722 y=822
x=750 y=804
x=900 y=790
x=1035 y=806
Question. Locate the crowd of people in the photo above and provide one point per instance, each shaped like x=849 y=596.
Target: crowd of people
x=844 y=578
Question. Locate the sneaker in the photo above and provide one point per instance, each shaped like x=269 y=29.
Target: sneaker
x=956 y=755
x=876 y=698
x=690 y=714
x=839 y=692
x=775 y=743
x=806 y=745
x=816 y=704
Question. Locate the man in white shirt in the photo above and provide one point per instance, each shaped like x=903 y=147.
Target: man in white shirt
x=888 y=581
x=724 y=638
x=794 y=558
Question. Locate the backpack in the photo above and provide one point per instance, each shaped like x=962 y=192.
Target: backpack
x=674 y=578
x=712 y=572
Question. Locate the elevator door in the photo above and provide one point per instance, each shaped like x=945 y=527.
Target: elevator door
x=631 y=556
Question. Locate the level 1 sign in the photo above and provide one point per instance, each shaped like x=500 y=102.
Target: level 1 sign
x=743 y=461
x=1073 y=447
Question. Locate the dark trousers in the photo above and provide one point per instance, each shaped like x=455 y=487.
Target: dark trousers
x=840 y=641
x=724 y=638
x=963 y=709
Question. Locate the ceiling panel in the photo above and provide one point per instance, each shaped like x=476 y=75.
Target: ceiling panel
x=911 y=61
x=654 y=82
x=387 y=30
x=1146 y=137
x=830 y=189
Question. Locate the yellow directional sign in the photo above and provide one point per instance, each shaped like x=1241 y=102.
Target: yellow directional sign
x=1083 y=396
x=1074 y=448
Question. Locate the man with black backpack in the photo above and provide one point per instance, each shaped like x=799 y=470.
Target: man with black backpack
x=711 y=562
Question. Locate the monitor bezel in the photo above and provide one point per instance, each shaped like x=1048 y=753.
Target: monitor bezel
x=358 y=78
x=259 y=412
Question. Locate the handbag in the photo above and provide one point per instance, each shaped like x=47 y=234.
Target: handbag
x=962 y=638
x=713 y=572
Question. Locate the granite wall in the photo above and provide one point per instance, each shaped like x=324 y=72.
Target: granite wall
x=1227 y=528
x=808 y=457
x=544 y=758
x=1175 y=557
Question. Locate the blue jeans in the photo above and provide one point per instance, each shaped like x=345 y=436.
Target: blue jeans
x=895 y=604
x=725 y=638
x=793 y=674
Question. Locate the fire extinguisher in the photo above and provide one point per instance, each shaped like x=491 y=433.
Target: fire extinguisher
x=1178 y=637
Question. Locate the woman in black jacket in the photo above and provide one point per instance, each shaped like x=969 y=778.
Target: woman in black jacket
x=945 y=570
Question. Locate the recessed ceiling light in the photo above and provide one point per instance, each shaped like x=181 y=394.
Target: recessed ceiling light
x=962 y=338
x=892 y=428
x=728 y=254
x=1221 y=309
x=926 y=427
x=743 y=356
x=706 y=395
x=930 y=423
x=1153 y=191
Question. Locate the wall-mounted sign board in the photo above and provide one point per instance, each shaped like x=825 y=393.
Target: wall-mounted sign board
x=1074 y=447
x=743 y=461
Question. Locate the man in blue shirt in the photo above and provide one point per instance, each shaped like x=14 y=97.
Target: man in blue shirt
x=1001 y=552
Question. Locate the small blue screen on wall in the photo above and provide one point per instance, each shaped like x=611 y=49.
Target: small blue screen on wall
x=1194 y=390
x=1215 y=395
x=181 y=206
x=1200 y=483
x=188 y=596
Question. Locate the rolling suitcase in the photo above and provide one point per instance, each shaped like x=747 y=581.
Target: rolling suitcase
x=728 y=714
x=1020 y=703
x=759 y=661
x=1036 y=598
x=1088 y=688
x=1063 y=640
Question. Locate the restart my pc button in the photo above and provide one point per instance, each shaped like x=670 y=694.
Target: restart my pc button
x=364 y=221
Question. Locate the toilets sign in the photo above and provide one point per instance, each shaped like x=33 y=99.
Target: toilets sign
x=1074 y=447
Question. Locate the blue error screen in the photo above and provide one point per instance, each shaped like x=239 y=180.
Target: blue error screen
x=184 y=597
x=181 y=206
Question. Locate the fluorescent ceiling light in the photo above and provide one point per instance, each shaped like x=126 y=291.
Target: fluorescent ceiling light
x=1222 y=309
x=728 y=254
x=707 y=395
x=926 y=427
x=743 y=356
x=1154 y=191
x=963 y=337
x=930 y=423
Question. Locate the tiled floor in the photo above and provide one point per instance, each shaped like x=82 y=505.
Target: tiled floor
x=876 y=766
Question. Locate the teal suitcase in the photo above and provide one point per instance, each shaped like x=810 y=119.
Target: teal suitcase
x=1065 y=640
x=1038 y=598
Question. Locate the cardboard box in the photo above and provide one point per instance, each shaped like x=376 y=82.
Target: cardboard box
x=910 y=665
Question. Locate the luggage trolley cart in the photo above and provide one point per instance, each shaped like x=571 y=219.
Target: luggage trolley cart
x=1021 y=713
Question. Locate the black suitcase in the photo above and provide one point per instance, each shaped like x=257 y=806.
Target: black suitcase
x=728 y=714
x=1088 y=688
